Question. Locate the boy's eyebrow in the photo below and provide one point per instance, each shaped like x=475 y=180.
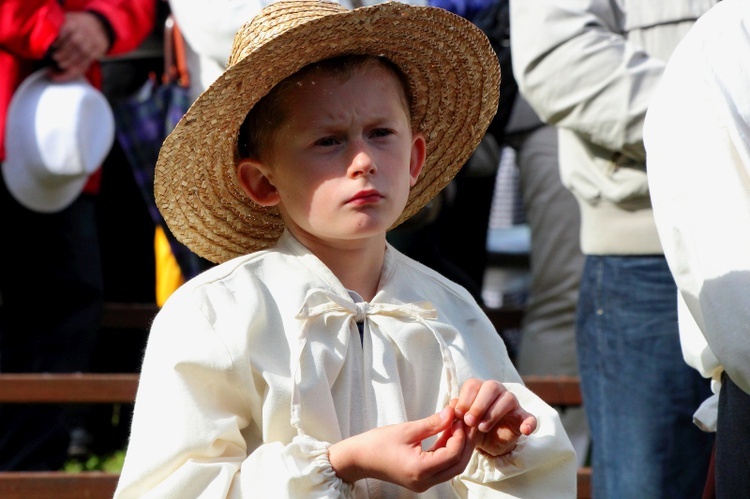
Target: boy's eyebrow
x=333 y=128
x=330 y=120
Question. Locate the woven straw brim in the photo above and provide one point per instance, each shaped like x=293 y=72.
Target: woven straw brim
x=454 y=78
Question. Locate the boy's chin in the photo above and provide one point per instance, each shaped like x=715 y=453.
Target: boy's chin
x=345 y=236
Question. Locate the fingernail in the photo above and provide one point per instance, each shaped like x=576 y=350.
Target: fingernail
x=470 y=420
x=444 y=413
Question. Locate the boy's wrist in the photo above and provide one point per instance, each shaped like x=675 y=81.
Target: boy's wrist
x=343 y=458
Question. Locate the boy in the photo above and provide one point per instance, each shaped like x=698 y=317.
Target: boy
x=316 y=367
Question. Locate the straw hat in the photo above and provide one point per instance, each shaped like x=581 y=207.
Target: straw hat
x=454 y=78
x=57 y=134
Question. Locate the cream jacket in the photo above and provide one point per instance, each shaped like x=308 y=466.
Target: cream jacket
x=253 y=368
x=590 y=67
x=698 y=141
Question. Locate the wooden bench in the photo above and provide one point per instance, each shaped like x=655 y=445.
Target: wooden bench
x=121 y=388
x=118 y=315
x=139 y=316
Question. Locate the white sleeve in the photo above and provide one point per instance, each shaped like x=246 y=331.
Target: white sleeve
x=209 y=25
x=543 y=464
x=698 y=142
x=578 y=71
x=198 y=413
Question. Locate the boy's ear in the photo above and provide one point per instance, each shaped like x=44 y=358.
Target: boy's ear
x=255 y=183
x=418 y=157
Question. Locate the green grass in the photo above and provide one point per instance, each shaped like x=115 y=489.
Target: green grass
x=110 y=463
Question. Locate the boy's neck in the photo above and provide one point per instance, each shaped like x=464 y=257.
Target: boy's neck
x=358 y=268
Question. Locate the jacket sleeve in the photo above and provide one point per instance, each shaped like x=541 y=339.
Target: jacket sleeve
x=131 y=21
x=209 y=27
x=698 y=142
x=579 y=72
x=196 y=428
x=29 y=27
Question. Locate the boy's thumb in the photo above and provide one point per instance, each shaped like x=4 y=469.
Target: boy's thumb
x=438 y=422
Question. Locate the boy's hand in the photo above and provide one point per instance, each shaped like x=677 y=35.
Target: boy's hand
x=394 y=453
x=494 y=413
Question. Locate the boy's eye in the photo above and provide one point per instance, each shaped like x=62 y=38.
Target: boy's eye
x=381 y=132
x=326 y=142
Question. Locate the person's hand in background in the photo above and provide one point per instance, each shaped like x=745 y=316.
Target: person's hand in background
x=83 y=39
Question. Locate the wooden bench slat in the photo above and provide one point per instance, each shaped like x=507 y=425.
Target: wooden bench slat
x=117 y=315
x=506 y=317
x=584 y=483
x=67 y=388
x=556 y=390
x=57 y=485
x=128 y=315
x=95 y=485
x=114 y=388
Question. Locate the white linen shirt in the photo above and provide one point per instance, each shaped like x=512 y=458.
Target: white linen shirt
x=255 y=367
x=697 y=136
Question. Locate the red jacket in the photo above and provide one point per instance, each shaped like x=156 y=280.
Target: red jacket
x=28 y=28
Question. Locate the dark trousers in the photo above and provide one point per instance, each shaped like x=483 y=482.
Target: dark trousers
x=732 y=472
x=52 y=297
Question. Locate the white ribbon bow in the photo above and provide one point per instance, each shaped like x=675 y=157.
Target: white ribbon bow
x=319 y=302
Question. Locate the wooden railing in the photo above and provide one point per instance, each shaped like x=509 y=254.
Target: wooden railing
x=121 y=388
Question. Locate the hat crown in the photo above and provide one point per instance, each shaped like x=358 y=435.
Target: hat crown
x=57 y=134
x=453 y=77
x=71 y=135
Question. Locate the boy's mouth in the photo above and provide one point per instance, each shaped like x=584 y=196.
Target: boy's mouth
x=368 y=196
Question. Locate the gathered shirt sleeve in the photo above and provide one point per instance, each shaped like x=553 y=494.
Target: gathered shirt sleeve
x=698 y=142
x=198 y=408
x=541 y=466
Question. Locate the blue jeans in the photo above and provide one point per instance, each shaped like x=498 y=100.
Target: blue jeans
x=638 y=393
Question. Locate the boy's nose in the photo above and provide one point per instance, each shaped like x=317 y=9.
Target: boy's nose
x=362 y=164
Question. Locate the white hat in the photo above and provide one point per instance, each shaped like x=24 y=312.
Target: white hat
x=57 y=134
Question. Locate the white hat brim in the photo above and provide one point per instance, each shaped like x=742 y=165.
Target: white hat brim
x=26 y=187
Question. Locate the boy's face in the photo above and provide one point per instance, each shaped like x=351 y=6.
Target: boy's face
x=342 y=164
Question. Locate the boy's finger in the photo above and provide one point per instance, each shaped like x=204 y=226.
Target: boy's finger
x=500 y=406
x=468 y=393
x=452 y=460
x=528 y=426
x=484 y=406
x=431 y=425
x=441 y=441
